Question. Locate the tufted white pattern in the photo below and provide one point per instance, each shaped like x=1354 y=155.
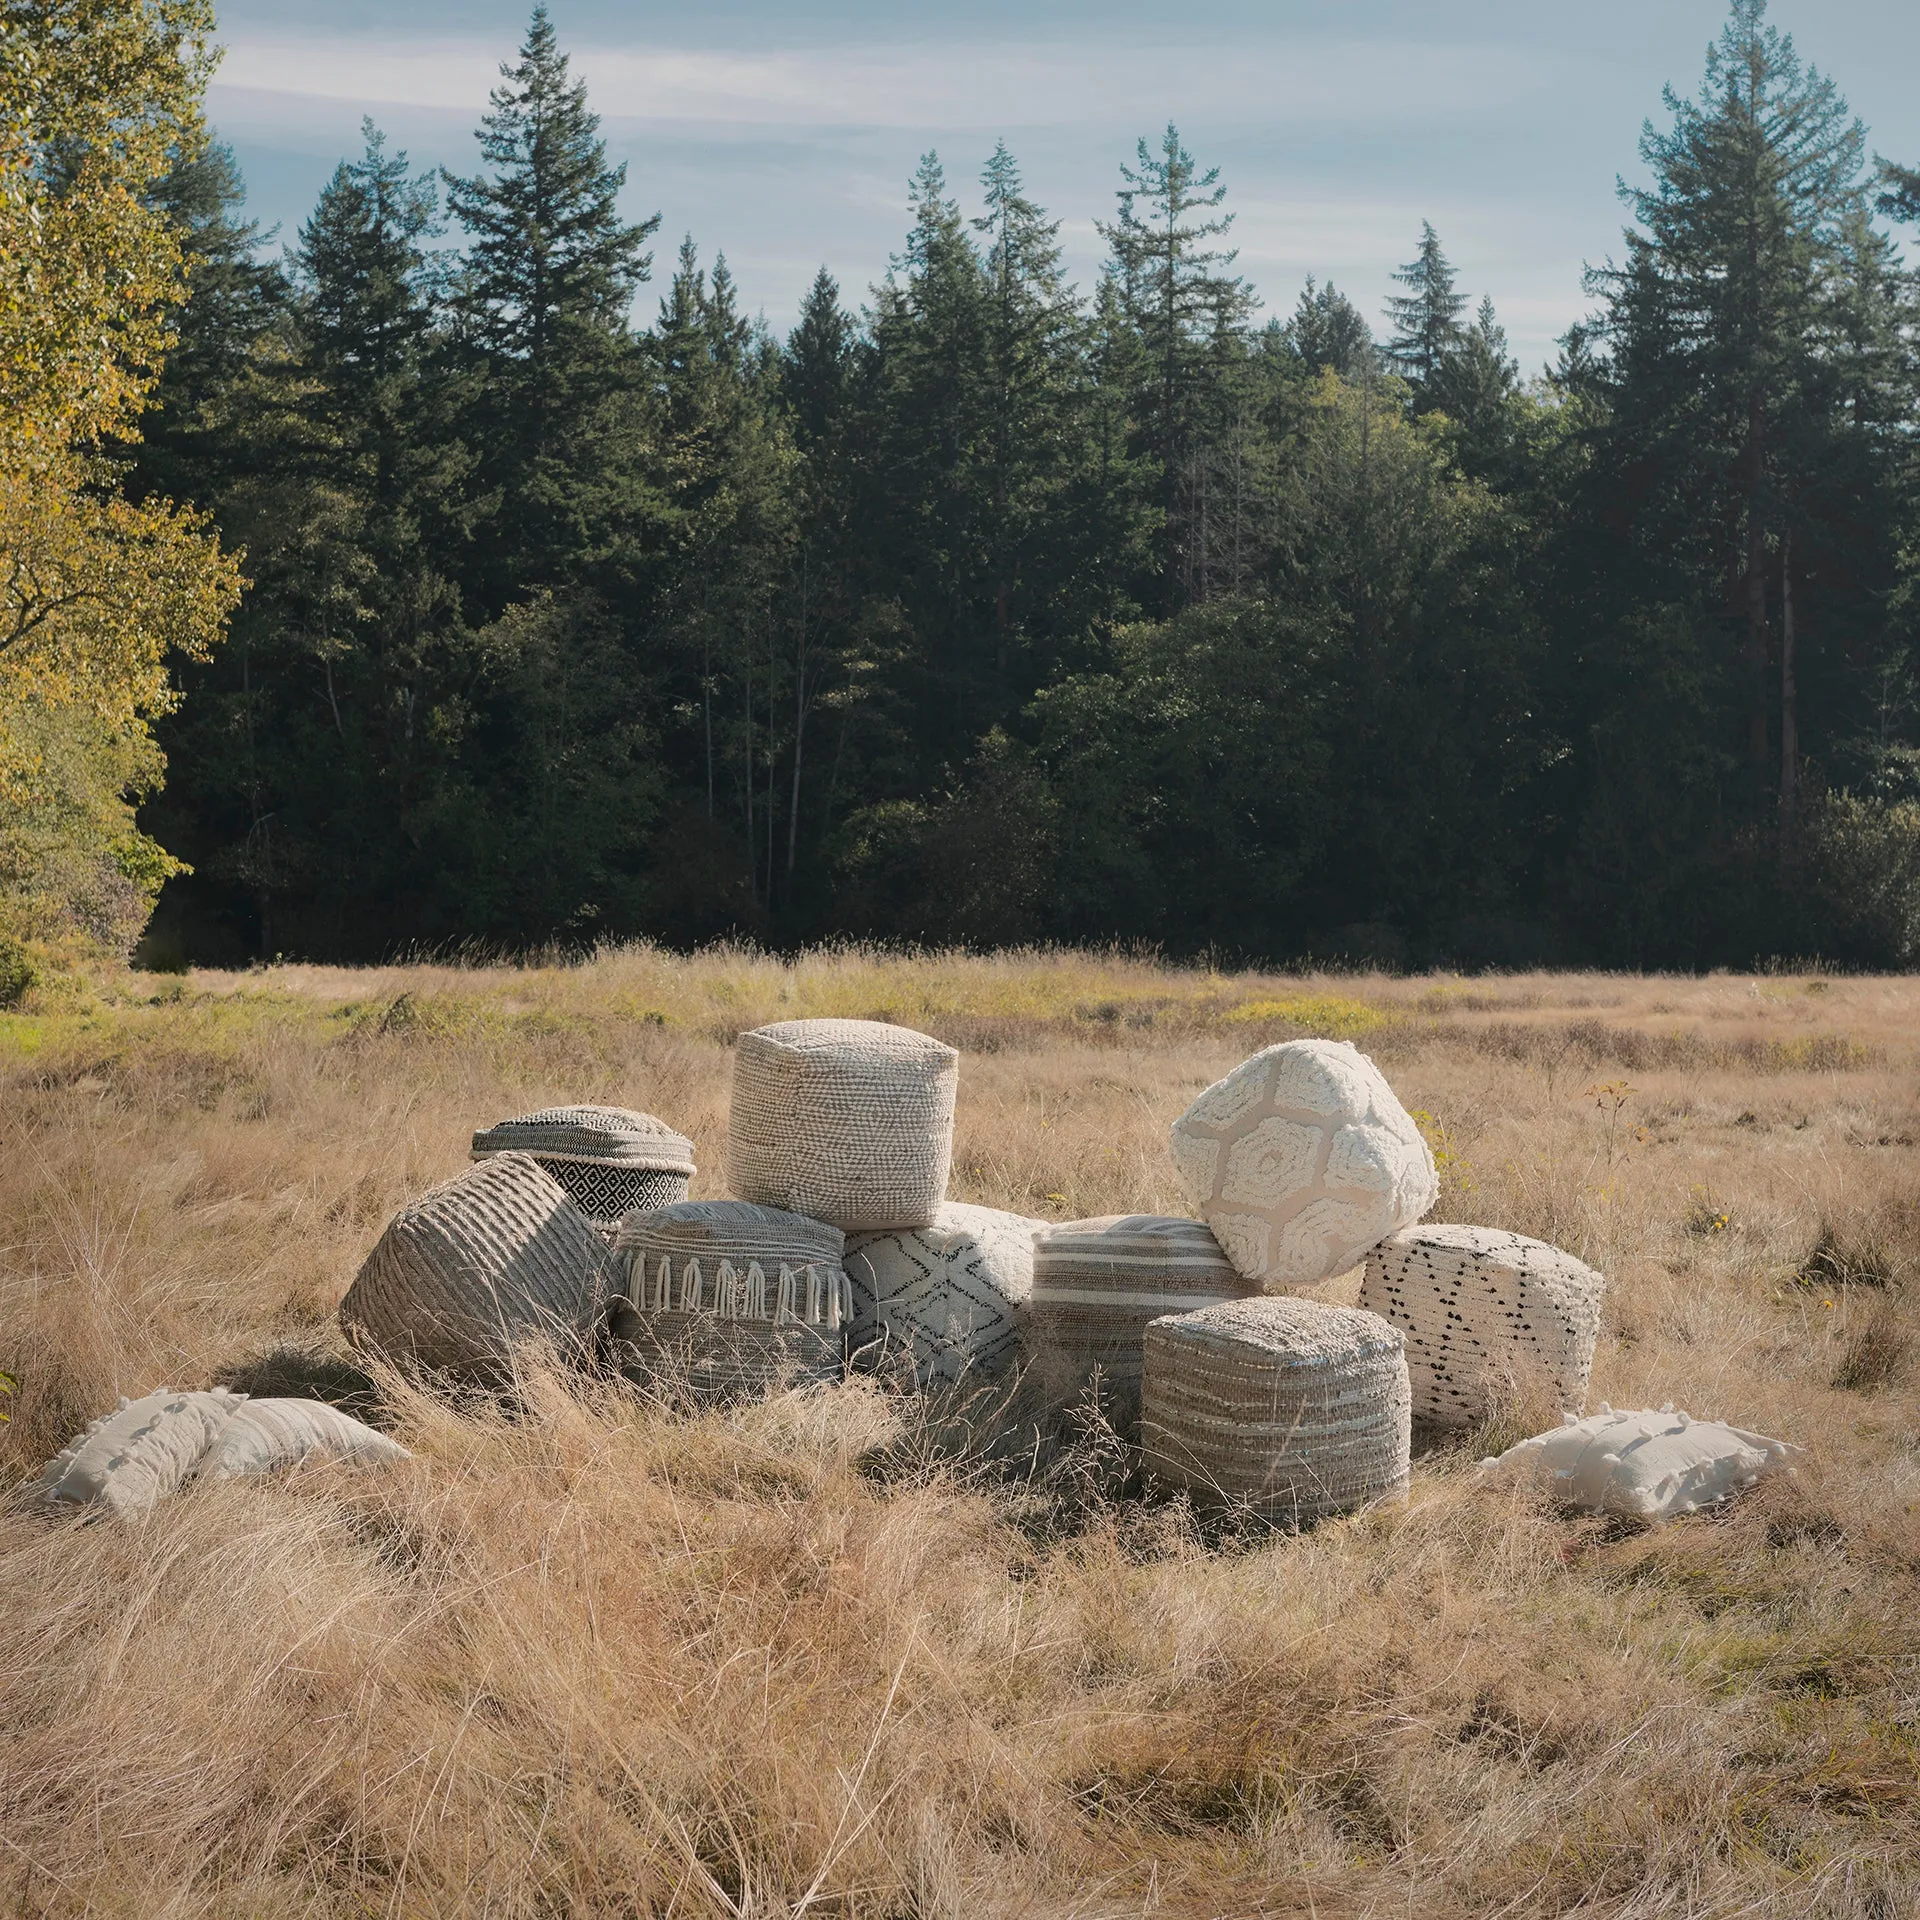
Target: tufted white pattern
x=1301 y=1159
x=265 y=1436
x=1481 y=1308
x=1293 y=1407
x=850 y=1121
x=132 y=1458
x=949 y=1296
x=1642 y=1465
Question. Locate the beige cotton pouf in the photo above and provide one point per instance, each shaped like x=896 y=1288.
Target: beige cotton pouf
x=611 y=1160
x=947 y=1298
x=1293 y=1408
x=494 y=1256
x=849 y=1121
x=1097 y=1283
x=1485 y=1313
x=732 y=1299
x=1300 y=1160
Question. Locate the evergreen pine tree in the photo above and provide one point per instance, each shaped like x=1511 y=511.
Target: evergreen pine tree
x=1426 y=318
x=1328 y=330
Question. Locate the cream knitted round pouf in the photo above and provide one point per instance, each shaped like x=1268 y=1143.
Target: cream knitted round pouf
x=1301 y=1159
x=611 y=1160
x=850 y=1121
x=731 y=1299
x=1485 y=1312
x=1294 y=1408
x=1097 y=1283
x=948 y=1298
x=493 y=1256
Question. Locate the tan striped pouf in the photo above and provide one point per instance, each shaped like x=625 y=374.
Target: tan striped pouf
x=1097 y=1283
x=850 y=1121
x=1291 y=1407
x=1486 y=1313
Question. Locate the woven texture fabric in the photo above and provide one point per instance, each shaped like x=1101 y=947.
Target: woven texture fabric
x=732 y=1299
x=1482 y=1309
x=947 y=1298
x=850 y=1121
x=1301 y=1159
x=496 y=1255
x=1295 y=1408
x=1645 y=1465
x=613 y=1136
x=606 y=1194
x=129 y=1460
x=265 y=1436
x=1096 y=1285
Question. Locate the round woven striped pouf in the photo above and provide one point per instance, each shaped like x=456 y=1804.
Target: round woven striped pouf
x=1484 y=1313
x=610 y=1159
x=1289 y=1407
x=850 y=1121
x=493 y=1256
x=1096 y=1285
x=731 y=1300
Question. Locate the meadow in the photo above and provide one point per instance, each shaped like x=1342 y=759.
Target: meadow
x=592 y=1653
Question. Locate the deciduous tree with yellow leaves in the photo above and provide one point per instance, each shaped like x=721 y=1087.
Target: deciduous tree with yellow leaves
x=98 y=98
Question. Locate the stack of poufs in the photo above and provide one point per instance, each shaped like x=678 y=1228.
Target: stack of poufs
x=611 y=1160
x=730 y=1299
x=497 y=1255
x=1292 y=1409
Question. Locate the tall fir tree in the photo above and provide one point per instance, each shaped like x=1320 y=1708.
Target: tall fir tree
x=1328 y=330
x=1426 y=318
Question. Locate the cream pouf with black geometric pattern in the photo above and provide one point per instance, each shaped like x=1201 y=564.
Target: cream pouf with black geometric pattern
x=849 y=1121
x=1096 y=1285
x=494 y=1256
x=1300 y=1160
x=729 y=1299
x=612 y=1160
x=946 y=1299
x=1486 y=1313
x=1293 y=1408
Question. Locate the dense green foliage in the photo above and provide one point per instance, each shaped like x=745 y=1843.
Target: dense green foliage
x=998 y=610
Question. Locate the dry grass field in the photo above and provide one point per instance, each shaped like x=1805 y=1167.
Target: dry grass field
x=589 y=1655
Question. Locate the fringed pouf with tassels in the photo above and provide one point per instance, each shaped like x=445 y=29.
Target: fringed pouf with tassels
x=730 y=1299
x=611 y=1160
x=947 y=1299
x=494 y=1256
x=1291 y=1408
x=849 y=1121
x=1096 y=1285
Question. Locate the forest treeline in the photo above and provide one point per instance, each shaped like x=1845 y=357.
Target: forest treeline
x=983 y=607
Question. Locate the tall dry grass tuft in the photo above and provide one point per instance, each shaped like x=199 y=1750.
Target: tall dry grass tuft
x=596 y=1652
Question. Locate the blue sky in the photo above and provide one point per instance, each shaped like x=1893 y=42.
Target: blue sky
x=782 y=132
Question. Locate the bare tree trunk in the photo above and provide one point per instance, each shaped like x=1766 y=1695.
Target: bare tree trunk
x=799 y=731
x=706 y=712
x=1789 y=696
x=772 y=664
x=1756 y=596
x=746 y=787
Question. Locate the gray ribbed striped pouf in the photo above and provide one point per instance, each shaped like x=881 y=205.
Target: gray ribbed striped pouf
x=1485 y=1313
x=495 y=1255
x=1291 y=1407
x=610 y=1159
x=1097 y=1283
x=850 y=1121
x=730 y=1299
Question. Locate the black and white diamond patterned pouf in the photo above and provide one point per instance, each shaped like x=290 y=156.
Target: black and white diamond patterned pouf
x=611 y=1160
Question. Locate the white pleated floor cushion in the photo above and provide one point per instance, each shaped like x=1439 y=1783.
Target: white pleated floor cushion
x=1096 y=1285
x=1294 y=1408
x=949 y=1297
x=1300 y=1160
x=734 y=1299
x=494 y=1256
x=129 y=1460
x=1643 y=1466
x=850 y=1121
x=265 y=1436
x=1484 y=1311
x=611 y=1160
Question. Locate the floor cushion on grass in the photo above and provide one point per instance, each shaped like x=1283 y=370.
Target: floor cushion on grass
x=129 y=1460
x=611 y=1160
x=1300 y=1160
x=1643 y=1466
x=494 y=1256
x=1293 y=1408
x=1485 y=1313
x=947 y=1298
x=849 y=1121
x=266 y=1435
